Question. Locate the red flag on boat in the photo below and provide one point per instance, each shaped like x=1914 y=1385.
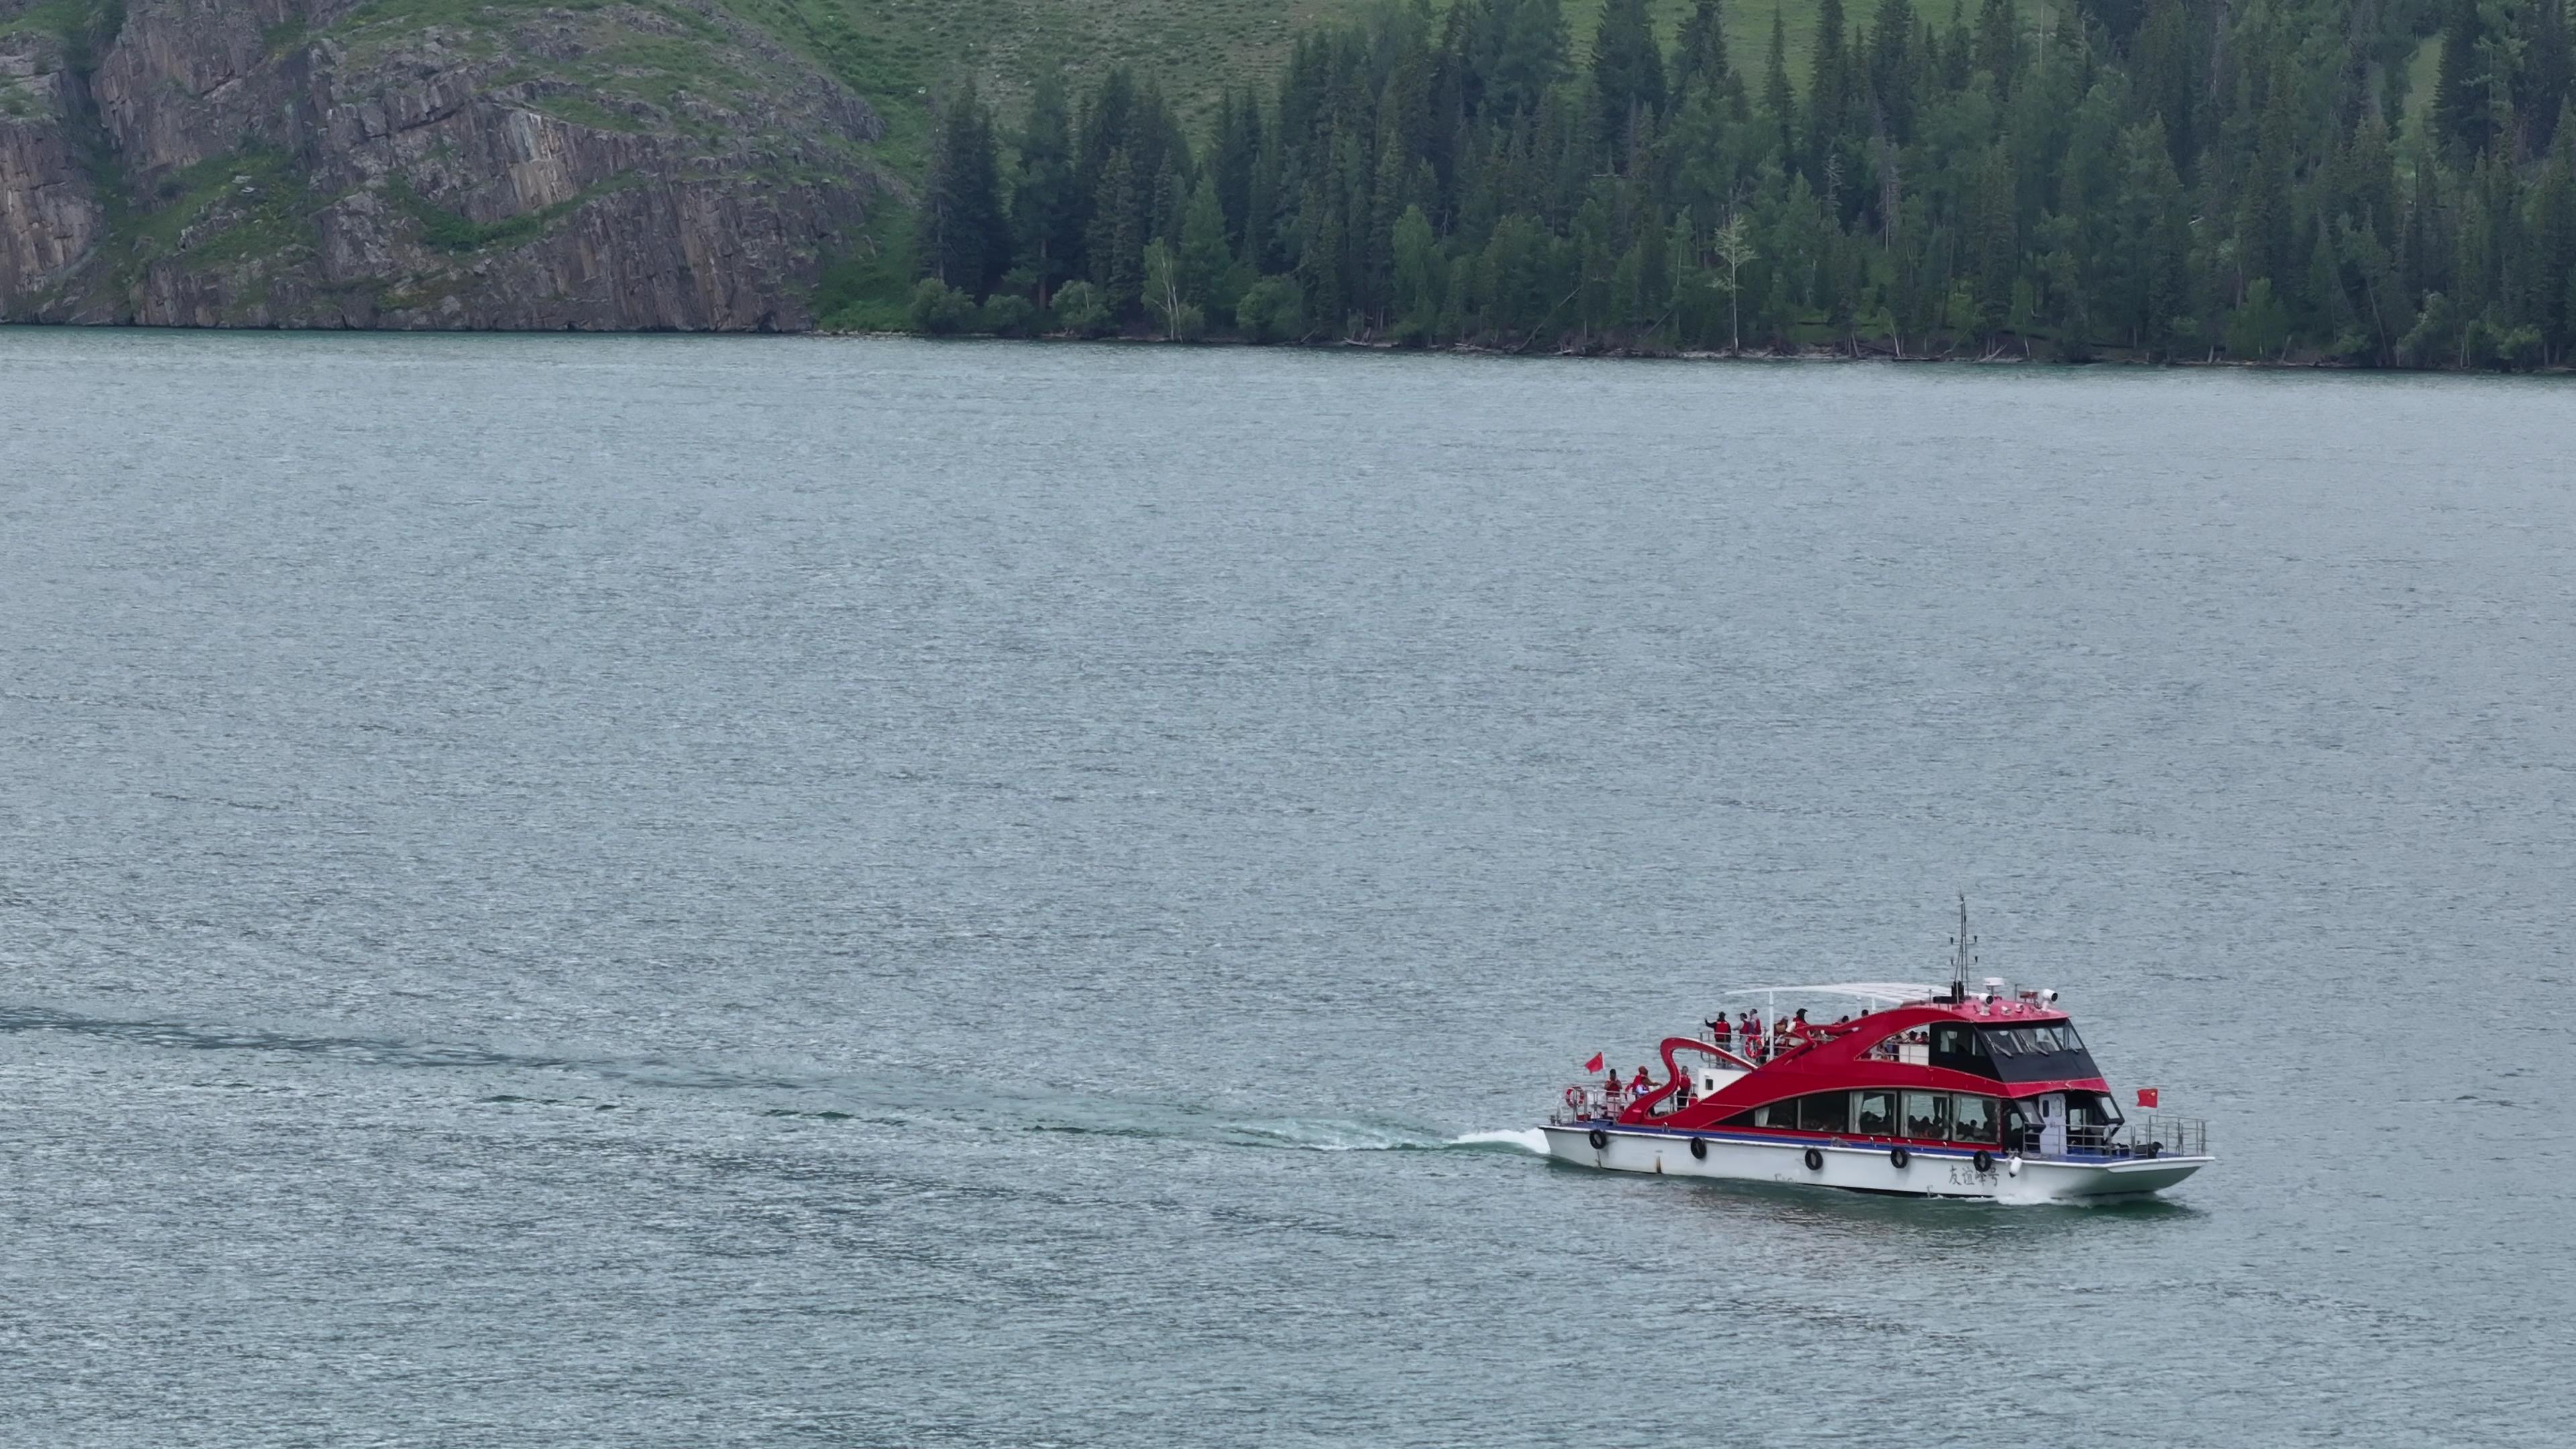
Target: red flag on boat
x=1593 y=1065
x=2147 y=1096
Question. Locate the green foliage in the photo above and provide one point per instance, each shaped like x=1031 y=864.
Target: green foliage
x=1207 y=273
x=452 y=231
x=940 y=309
x=868 y=288
x=963 y=235
x=1081 y=311
x=1008 y=314
x=2260 y=326
x=1046 y=217
x=1272 y=309
x=71 y=21
x=1627 y=71
x=2143 y=178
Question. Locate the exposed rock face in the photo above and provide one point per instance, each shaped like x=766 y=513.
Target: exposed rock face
x=50 y=215
x=343 y=163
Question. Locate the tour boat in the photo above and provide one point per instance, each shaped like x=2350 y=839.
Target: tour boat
x=1932 y=1093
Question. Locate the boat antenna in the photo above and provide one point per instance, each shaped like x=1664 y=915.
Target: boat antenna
x=1960 y=960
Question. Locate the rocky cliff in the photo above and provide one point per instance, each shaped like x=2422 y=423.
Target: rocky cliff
x=610 y=164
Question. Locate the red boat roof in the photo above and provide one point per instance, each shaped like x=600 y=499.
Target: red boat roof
x=1877 y=1051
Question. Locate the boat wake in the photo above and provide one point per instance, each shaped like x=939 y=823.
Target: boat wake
x=891 y=1101
x=1525 y=1139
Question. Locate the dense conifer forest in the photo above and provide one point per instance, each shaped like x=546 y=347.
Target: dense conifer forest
x=2179 y=180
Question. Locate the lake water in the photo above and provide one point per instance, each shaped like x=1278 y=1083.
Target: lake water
x=655 y=891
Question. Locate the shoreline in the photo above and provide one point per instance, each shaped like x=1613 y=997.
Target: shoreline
x=2107 y=357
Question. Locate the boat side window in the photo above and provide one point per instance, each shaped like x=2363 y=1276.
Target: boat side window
x=2021 y=1129
x=1825 y=1112
x=1962 y=1048
x=2055 y=1037
x=1903 y=1046
x=1972 y=1119
x=2091 y=1118
x=1877 y=1115
x=1927 y=1114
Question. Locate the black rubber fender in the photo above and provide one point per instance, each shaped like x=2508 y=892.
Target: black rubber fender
x=1815 y=1160
x=1699 y=1148
x=1600 y=1139
x=1900 y=1157
x=1983 y=1162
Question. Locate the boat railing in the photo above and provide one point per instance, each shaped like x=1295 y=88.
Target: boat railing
x=2162 y=1136
x=1591 y=1102
x=2156 y=1136
x=1585 y=1102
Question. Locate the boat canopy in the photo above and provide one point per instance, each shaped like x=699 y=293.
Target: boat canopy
x=1889 y=991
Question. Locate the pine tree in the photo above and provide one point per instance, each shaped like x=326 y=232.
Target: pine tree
x=2152 y=285
x=1045 y=210
x=2554 y=243
x=1997 y=46
x=1517 y=52
x=1234 y=162
x=2548 y=71
x=1892 y=64
x=1117 y=238
x=1107 y=115
x=1627 y=70
x=1206 y=257
x=1777 y=103
x=1700 y=64
x=1421 y=273
x=962 y=236
x=2461 y=86
x=1828 y=95
x=1994 y=239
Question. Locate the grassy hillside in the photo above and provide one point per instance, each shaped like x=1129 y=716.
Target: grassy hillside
x=895 y=51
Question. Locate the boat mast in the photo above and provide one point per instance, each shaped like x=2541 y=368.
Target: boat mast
x=1960 y=960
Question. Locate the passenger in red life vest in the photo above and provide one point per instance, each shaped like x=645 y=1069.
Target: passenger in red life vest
x=1614 y=1084
x=1753 y=1035
x=1799 y=1031
x=1642 y=1085
x=1719 y=1031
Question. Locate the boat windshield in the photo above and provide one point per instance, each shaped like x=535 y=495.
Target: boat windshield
x=2040 y=1052
x=2031 y=1041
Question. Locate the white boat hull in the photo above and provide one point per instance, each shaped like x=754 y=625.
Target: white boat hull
x=1863 y=1167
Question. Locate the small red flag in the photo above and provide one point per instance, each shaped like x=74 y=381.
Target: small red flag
x=2147 y=1096
x=1593 y=1065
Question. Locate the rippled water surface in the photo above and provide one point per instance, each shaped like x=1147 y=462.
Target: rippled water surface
x=665 y=892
